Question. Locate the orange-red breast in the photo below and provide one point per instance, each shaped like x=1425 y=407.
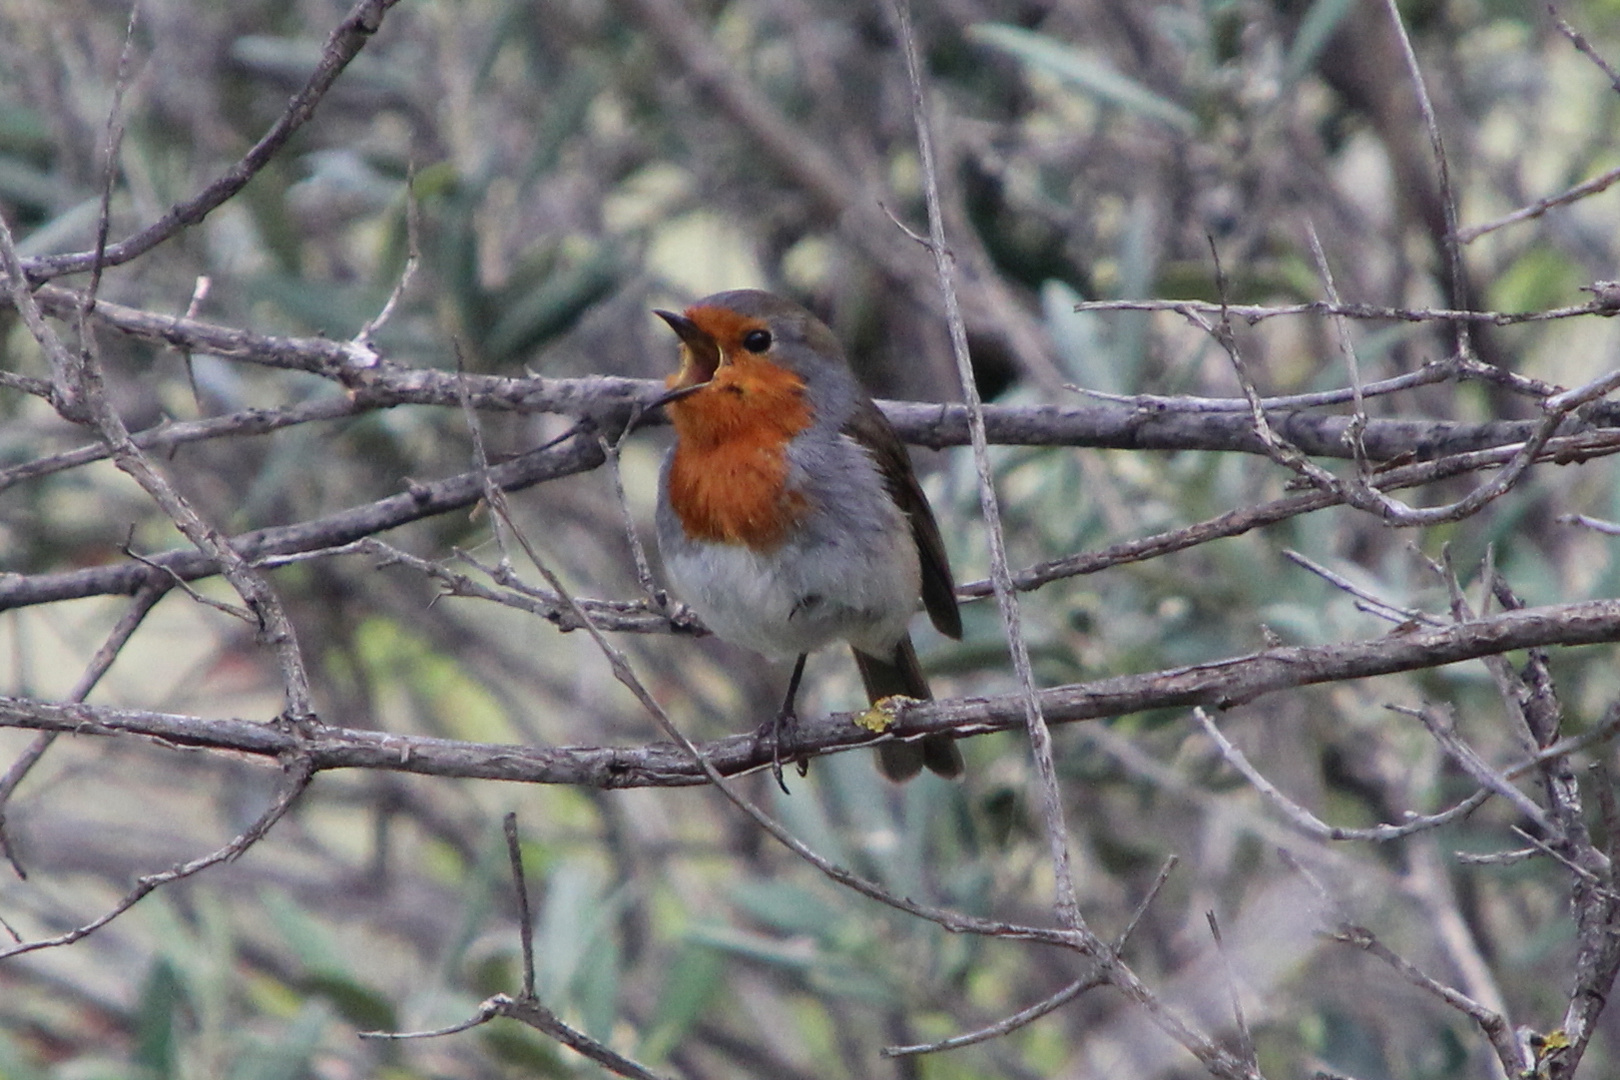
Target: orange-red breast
x=788 y=513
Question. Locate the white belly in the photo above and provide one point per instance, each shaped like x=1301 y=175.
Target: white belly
x=798 y=599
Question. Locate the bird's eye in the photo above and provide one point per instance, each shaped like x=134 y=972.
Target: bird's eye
x=757 y=341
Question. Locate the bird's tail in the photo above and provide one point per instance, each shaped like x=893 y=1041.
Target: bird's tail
x=901 y=674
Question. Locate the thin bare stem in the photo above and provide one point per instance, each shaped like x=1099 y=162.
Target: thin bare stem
x=1534 y=210
x=1024 y=1017
x=530 y=1012
x=1435 y=371
x=300 y=770
x=1496 y=1027
x=1441 y=725
x=1578 y=39
x=1347 y=348
x=344 y=43
x=1448 y=199
x=1068 y=905
x=1379 y=606
x=1005 y=1026
x=520 y=884
x=1239 y=1020
x=413 y=259
x=132 y=618
x=1256 y=313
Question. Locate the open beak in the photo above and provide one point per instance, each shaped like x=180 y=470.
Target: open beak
x=700 y=353
x=673 y=394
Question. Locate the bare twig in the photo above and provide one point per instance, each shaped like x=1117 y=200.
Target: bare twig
x=1358 y=492
x=112 y=139
x=162 y=572
x=529 y=1011
x=1255 y=313
x=514 y=855
x=1024 y=1017
x=345 y=42
x=1441 y=725
x=299 y=771
x=1434 y=371
x=1375 y=604
x=1541 y=206
x=1068 y=907
x=573 y=455
x=64 y=385
x=1448 y=199
x=638 y=552
x=132 y=618
x=1239 y=1021
x=1497 y=858
x=1307 y=822
x=1347 y=348
x=633 y=616
x=527 y=1008
x=1496 y=1027
x=1277 y=448
x=1597 y=882
x=413 y=259
x=1244 y=519
x=1160 y=879
x=1218 y=684
x=1007 y=1025
x=1609 y=528
x=1578 y=39
x=171 y=433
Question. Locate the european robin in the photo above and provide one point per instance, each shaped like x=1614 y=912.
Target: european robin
x=789 y=516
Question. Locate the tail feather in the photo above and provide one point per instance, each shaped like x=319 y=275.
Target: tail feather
x=901 y=674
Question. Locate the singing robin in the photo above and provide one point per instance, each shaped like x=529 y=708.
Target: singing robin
x=789 y=516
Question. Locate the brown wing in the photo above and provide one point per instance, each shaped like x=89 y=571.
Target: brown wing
x=871 y=429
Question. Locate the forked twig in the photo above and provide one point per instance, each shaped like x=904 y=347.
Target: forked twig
x=1495 y=1026
x=529 y=1011
x=1023 y=1017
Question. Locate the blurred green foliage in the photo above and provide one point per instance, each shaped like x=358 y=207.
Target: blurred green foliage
x=553 y=171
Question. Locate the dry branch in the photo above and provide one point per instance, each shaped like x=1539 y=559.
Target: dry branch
x=1218 y=684
x=373 y=382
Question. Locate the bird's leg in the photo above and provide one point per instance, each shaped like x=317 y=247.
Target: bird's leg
x=784 y=726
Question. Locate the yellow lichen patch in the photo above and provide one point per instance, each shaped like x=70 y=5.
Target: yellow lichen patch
x=881 y=715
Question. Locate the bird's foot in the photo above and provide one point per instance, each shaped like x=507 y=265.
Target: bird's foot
x=783 y=732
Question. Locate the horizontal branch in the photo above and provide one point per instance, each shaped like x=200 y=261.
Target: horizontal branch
x=1246 y=518
x=420 y=500
x=1254 y=313
x=1220 y=684
x=374 y=382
